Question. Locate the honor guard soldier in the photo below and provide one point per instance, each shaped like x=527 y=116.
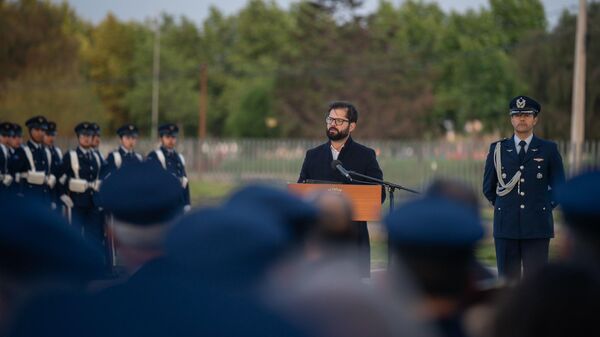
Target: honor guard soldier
x=81 y=180
x=6 y=178
x=32 y=162
x=56 y=166
x=125 y=154
x=170 y=160
x=96 y=142
x=520 y=172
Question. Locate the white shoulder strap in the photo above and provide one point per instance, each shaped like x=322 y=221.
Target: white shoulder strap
x=161 y=158
x=49 y=156
x=5 y=153
x=182 y=159
x=117 y=158
x=74 y=163
x=139 y=156
x=29 y=157
x=97 y=157
x=59 y=153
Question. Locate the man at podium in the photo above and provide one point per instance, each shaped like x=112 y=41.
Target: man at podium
x=344 y=153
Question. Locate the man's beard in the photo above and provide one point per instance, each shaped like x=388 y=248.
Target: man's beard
x=339 y=135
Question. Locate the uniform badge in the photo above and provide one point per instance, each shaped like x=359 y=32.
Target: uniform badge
x=538 y=159
x=534 y=150
x=521 y=103
x=539 y=176
x=508 y=150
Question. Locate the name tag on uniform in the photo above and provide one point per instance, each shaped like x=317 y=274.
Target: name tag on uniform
x=538 y=159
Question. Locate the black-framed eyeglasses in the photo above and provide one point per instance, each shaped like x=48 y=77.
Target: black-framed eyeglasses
x=336 y=121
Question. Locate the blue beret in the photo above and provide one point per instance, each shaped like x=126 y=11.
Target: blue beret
x=524 y=104
x=37 y=122
x=168 y=129
x=227 y=241
x=579 y=201
x=84 y=128
x=434 y=222
x=290 y=211
x=128 y=129
x=35 y=241
x=6 y=129
x=17 y=130
x=142 y=194
x=51 y=130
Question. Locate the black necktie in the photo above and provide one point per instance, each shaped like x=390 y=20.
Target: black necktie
x=522 y=151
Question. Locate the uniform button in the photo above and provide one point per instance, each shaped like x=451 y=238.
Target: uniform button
x=522 y=193
x=539 y=167
x=522 y=206
x=521 y=167
x=499 y=208
x=544 y=208
x=522 y=180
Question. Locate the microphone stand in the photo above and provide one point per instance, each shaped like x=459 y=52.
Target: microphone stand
x=391 y=187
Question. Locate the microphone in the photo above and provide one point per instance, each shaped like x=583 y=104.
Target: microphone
x=337 y=165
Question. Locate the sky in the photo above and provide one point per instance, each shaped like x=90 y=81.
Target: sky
x=197 y=10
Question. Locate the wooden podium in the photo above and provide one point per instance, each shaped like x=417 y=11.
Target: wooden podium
x=365 y=199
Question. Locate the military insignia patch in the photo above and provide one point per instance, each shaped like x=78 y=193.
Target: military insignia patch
x=534 y=150
x=538 y=159
x=539 y=176
x=521 y=103
x=508 y=150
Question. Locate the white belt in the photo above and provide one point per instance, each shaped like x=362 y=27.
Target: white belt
x=80 y=185
x=39 y=178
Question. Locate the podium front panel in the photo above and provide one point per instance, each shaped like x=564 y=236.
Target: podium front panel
x=365 y=199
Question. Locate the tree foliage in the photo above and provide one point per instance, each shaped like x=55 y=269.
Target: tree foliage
x=410 y=68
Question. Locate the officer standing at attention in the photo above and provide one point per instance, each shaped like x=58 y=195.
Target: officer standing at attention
x=96 y=142
x=32 y=162
x=6 y=178
x=170 y=160
x=125 y=154
x=520 y=172
x=56 y=160
x=81 y=181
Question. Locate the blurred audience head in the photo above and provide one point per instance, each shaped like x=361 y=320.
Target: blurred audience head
x=39 y=253
x=580 y=205
x=143 y=199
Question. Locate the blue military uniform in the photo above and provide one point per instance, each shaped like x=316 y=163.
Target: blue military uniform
x=122 y=157
x=96 y=132
x=31 y=165
x=81 y=182
x=172 y=161
x=6 y=178
x=518 y=185
x=56 y=167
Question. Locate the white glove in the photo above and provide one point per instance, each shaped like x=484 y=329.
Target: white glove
x=8 y=179
x=96 y=185
x=51 y=181
x=67 y=200
x=187 y=208
x=184 y=182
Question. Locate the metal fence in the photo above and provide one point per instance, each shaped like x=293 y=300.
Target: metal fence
x=412 y=164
